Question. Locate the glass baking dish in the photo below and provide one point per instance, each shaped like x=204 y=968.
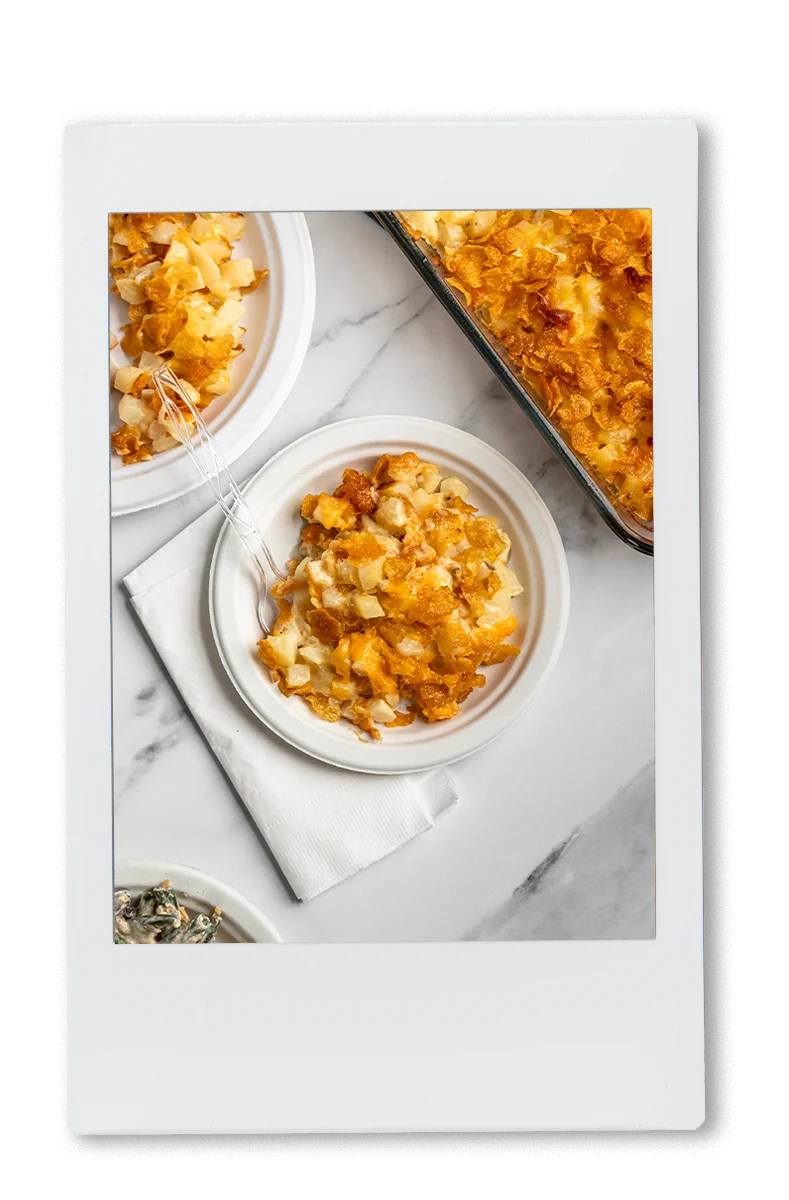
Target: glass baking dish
x=635 y=533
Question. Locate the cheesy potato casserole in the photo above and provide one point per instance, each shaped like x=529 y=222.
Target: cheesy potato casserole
x=400 y=594
x=177 y=274
x=569 y=294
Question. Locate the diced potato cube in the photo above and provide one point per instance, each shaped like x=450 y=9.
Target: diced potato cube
x=411 y=647
x=492 y=613
x=125 y=377
x=203 y=228
x=424 y=503
x=208 y=269
x=481 y=222
x=423 y=222
x=231 y=312
x=178 y=252
x=333 y=598
x=453 y=236
x=368 y=607
x=147 y=271
x=370 y=574
x=218 y=249
x=297 y=675
x=134 y=411
x=456 y=216
x=451 y=486
x=380 y=711
x=149 y=361
x=210 y=234
x=346 y=572
x=391 y=514
x=501 y=600
x=428 y=478
x=322 y=680
x=318 y=573
x=238 y=272
x=284 y=646
x=316 y=655
x=130 y=291
x=509 y=580
x=233 y=224
x=163 y=232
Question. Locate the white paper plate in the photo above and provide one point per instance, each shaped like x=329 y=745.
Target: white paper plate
x=278 y=322
x=241 y=921
x=498 y=489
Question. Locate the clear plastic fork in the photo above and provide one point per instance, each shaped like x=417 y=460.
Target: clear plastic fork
x=210 y=463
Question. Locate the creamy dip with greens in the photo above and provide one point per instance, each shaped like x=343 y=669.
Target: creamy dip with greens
x=156 y=916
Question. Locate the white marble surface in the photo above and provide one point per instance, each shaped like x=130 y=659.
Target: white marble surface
x=381 y=343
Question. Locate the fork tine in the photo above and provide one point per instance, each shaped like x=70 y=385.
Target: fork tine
x=205 y=454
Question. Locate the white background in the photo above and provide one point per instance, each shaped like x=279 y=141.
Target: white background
x=80 y=67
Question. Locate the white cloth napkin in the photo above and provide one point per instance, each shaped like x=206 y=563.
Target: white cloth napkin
x=321 y=824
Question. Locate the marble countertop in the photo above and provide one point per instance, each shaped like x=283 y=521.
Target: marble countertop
x=553 y=836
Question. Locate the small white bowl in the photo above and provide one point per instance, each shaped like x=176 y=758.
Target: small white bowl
x=199 y=893
x=278 y=324
x=497 y=488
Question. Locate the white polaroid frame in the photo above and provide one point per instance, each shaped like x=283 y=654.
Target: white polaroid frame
x=429 y=1037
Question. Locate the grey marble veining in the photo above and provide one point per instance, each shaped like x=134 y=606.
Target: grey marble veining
x=599 y=883
x=161 y=711
x=382 y=344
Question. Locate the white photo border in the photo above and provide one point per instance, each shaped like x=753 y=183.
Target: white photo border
x=429 y=1037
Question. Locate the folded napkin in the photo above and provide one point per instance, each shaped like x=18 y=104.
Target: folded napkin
x=321 y=824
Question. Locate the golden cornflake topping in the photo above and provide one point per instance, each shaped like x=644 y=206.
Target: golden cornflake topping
x=569 y=294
